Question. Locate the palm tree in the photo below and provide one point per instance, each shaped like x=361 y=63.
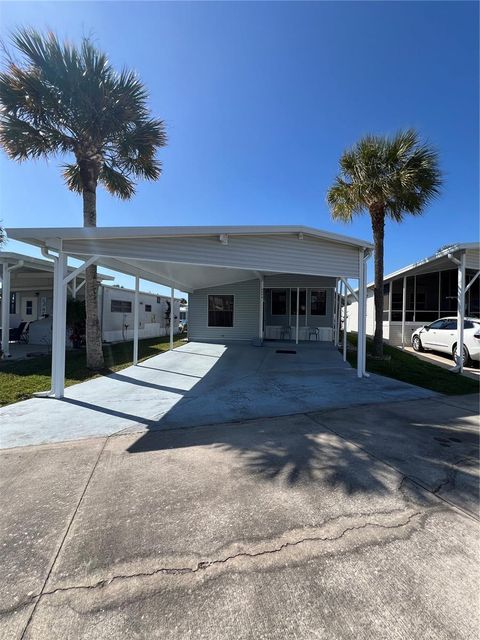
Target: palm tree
x=66 y=100
x=388 y=177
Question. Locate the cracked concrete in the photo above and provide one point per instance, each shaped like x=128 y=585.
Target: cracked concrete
x=329 y=525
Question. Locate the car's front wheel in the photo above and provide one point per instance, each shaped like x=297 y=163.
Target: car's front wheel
x=466 y=355
x=417 y=343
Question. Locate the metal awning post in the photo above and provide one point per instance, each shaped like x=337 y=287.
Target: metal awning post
x=260 y=309
x=365 y=281
x=59 y=325
x=361 y=346
x=335 y=313
x=344 y=321
x=172 y=300
x=460 y=312
x=298 y=314
x=135 y=320
x=404 y=304
x=339 y=312
x=5 y=310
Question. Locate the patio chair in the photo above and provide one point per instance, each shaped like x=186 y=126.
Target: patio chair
x=314 y=331
x=286 y=333
x=20 y=333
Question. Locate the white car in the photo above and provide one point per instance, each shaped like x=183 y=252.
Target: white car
x=441 y=335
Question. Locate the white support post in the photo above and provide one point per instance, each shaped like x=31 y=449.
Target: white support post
x=404 y=305
x=5 y=311
x=59 y=325
x=74 y=288
x=306 y=308
x=172 y=300
x=460 y=313
x=260 y=310
x=335 y=313
x=361 y=345
x=339 y=312
x=390 y=287
x=344 y=321
x=365 y=281
x=135 y=320
x=298 y=315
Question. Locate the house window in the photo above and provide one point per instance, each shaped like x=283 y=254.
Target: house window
x=318 y=302
x=220 y=311
x=302 y=303
x=29 y=307
x=279 y=302
x=397 y=299
x=148 y=307
x=121 y=306
x=448 y=291
x=13 y=302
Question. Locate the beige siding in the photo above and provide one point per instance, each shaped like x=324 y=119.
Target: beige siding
x=275 y=253
x=245 y=314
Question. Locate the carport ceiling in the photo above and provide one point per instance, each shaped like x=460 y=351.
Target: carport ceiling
x=190 y=258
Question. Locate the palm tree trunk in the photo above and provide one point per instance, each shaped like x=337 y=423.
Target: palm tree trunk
x=93 y=334
x=378 y=227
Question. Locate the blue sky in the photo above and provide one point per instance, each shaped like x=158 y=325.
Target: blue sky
x=260 y=100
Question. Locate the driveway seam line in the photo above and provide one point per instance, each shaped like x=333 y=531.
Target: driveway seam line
x=404 y=476
x=64 y=537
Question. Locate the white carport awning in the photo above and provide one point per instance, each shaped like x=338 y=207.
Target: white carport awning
x=190 y=258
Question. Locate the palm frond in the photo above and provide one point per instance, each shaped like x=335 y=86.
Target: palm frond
x=72 y=177
x=116 y=182
x=61 y=98
x=399 y=175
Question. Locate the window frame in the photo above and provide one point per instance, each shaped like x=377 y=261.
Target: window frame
x=129 y=302
x=293 y=312
x=287 y=301
x=148 y=308
x=309 y=306
x=216 y=326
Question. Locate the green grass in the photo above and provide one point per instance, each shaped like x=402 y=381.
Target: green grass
x=21 y=378
x=408 y=368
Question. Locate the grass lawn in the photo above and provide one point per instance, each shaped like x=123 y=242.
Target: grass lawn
x=408 y=368
x=21 y=378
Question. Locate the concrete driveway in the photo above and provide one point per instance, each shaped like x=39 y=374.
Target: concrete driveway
x=200 y=384
x=356 y=523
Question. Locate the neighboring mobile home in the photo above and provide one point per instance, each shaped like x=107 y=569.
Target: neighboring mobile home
x=422 y=292
x=31 y=300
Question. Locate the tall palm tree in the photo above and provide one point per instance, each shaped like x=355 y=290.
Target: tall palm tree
x=66 y=100
x=388 y=177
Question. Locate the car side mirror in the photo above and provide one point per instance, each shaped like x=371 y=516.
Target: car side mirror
x=427 y=328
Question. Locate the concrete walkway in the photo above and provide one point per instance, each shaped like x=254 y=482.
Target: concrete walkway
x=344 y=524
x=445 y=362
x=200 y=384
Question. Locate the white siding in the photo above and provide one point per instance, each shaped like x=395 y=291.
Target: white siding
x=245 y=312
x=352 y=314
x=395 y=333
x=151 y=323
x=280 y=252
x=472 y=259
